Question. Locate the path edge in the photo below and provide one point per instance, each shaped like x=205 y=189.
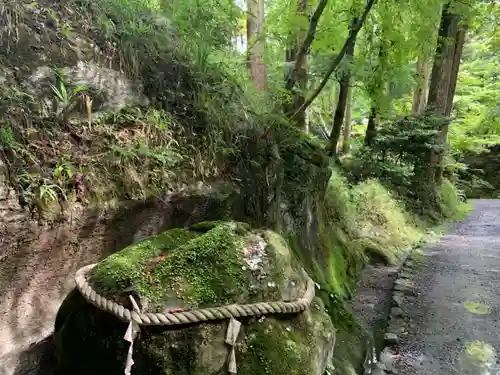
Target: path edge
x=401 y=289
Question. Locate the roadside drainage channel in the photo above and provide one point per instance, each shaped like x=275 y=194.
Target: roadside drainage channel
x=403 y=289
x=382 y=353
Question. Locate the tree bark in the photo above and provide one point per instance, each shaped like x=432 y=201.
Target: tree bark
x=455 y=66
x=256 y=43
x=345 y=81
x=377 y=93
x=303 y=50
x=423 y=70
x=371 y=129
x=299 y=62
x=443 y=81
x=347 y=123
x=459 y=46
x=422 y=89
x=441 y=71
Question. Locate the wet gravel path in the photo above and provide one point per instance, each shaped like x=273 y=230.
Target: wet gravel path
x=452 y=326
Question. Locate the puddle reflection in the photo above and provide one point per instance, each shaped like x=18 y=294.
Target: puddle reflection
x=478 y=358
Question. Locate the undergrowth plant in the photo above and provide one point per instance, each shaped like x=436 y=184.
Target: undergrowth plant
x=182 y=52
x=371 y=216
x=39 y=191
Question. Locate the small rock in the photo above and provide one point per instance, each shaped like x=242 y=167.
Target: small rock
x=391 y=339
x=396 y=326
x=405 y=286
x=379 y=370
x=387 y=358
x=406 y=275
x=396 y=312
x=404 y=282
x=411 y=299
x=398 y=299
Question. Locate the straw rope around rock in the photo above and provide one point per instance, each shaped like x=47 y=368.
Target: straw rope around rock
x=191 y=316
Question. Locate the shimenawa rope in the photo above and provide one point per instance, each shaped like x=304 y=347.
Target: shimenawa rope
x=191 y=316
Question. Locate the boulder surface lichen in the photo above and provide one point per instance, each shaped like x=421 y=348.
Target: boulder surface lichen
x=208 y=265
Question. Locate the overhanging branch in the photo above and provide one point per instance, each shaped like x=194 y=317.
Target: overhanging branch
x=353 y=33
x=306 y=44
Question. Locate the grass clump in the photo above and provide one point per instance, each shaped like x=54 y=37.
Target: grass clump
x=366 y=222
x=451 y=206
x=383 y=219
x=369 y=212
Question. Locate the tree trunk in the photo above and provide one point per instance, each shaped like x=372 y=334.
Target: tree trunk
x=298 y=62
x=371 y=129
x=455 y=66
x=347 y=123
x=377 y=93
x=345 y=81
x=423 y=71
x=256 y=43
x=307 y=119
x=443 y=80
x=303 y=48
x=441 y=71
x=459 y=45
x=422 y=89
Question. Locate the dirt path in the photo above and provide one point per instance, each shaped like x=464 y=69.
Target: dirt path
x=452 y=325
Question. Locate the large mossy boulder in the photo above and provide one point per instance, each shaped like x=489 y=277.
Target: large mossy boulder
x=207 y=265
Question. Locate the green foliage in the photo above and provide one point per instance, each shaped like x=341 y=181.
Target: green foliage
x=360 y=218
x=7 y=139
x=386 y=221
x=409 y=140
x=451 y=206
x=477 y=123
x=398 y=160
x=399 y=153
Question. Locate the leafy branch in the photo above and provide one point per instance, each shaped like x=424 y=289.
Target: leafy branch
x=353 y=33
x=306 y=44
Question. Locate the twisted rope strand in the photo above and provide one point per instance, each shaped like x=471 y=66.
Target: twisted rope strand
x=193 y=316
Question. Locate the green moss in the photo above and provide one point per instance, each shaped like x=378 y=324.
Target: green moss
x=197 y=269
x=273 y=348
x=349 y=352
x=205 y=226
x=208 y=270
x=376 y=253
x=126 y=267
x=477 y=308
x=294 y=141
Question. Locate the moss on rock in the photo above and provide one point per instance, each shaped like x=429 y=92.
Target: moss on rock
x=219 y=263
x=197 y=269
x=297 y=340
x=127 y=267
